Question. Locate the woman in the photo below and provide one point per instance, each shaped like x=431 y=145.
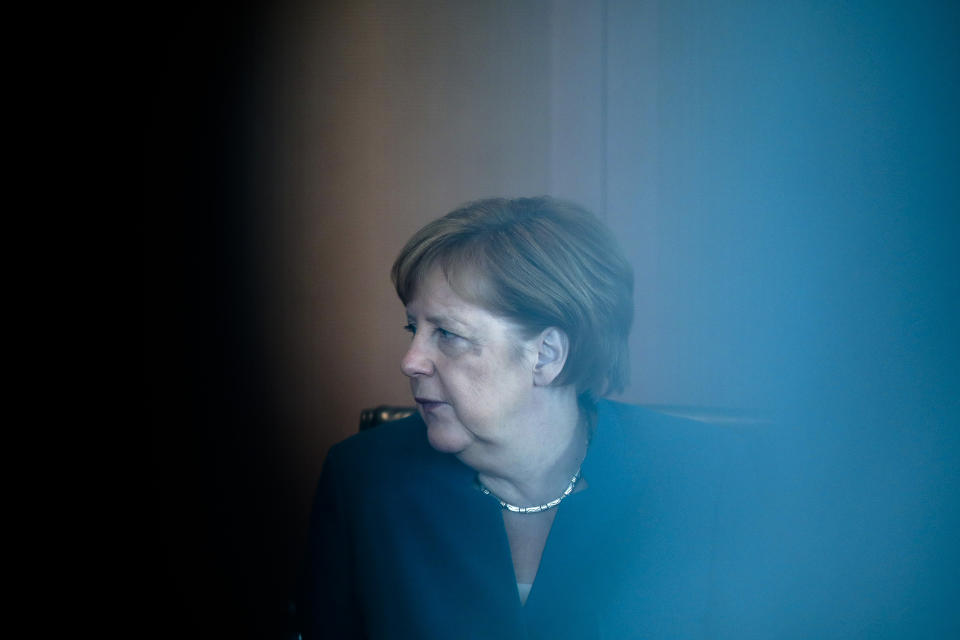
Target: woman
x=515 y=504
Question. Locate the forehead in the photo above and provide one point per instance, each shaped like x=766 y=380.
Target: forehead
x=436 y=300
x=434 y=294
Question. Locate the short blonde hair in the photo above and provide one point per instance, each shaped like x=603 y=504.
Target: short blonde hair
x=541 y=263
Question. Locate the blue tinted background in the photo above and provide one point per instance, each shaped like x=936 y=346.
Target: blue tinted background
x=812 y=152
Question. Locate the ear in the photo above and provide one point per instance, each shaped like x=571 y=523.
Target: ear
x=553 y=346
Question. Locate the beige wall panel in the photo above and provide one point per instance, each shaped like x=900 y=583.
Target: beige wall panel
x=394 y=113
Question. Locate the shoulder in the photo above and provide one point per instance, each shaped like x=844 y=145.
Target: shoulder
x=755 y=468
x=648 y=431
x=399 y=443
x=718 y=524
x=394 y=454
x=671 y=455
x=406 y=436
x=676 y=421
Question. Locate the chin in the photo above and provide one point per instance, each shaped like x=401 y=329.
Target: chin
x=447 y=438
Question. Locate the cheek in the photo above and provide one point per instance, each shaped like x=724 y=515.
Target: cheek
x=493 y=383
x=469 y=381
x=474 y=379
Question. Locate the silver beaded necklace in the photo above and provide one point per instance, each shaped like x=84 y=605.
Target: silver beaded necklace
x=536 y=508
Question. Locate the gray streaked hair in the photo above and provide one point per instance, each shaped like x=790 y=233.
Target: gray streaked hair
x=539 y=262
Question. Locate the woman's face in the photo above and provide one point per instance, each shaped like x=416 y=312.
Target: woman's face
x=470 y=372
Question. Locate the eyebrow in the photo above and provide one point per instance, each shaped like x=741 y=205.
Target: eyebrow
x=443 y=320
x=447 y=320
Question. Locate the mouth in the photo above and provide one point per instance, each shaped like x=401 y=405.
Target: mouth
x=428 y=403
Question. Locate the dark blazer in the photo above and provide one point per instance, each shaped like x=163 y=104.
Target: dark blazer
x=681 y=533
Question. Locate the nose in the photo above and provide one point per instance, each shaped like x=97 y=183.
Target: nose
x=416 y=361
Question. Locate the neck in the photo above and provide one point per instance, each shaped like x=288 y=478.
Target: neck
x=539 y=469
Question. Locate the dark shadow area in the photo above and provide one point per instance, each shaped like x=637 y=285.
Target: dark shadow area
x=220 y=525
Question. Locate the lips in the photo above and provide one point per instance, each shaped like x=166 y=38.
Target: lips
x=428 y=403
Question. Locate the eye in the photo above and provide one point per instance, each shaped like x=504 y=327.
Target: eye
x=410 y=328
x=446 y=335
